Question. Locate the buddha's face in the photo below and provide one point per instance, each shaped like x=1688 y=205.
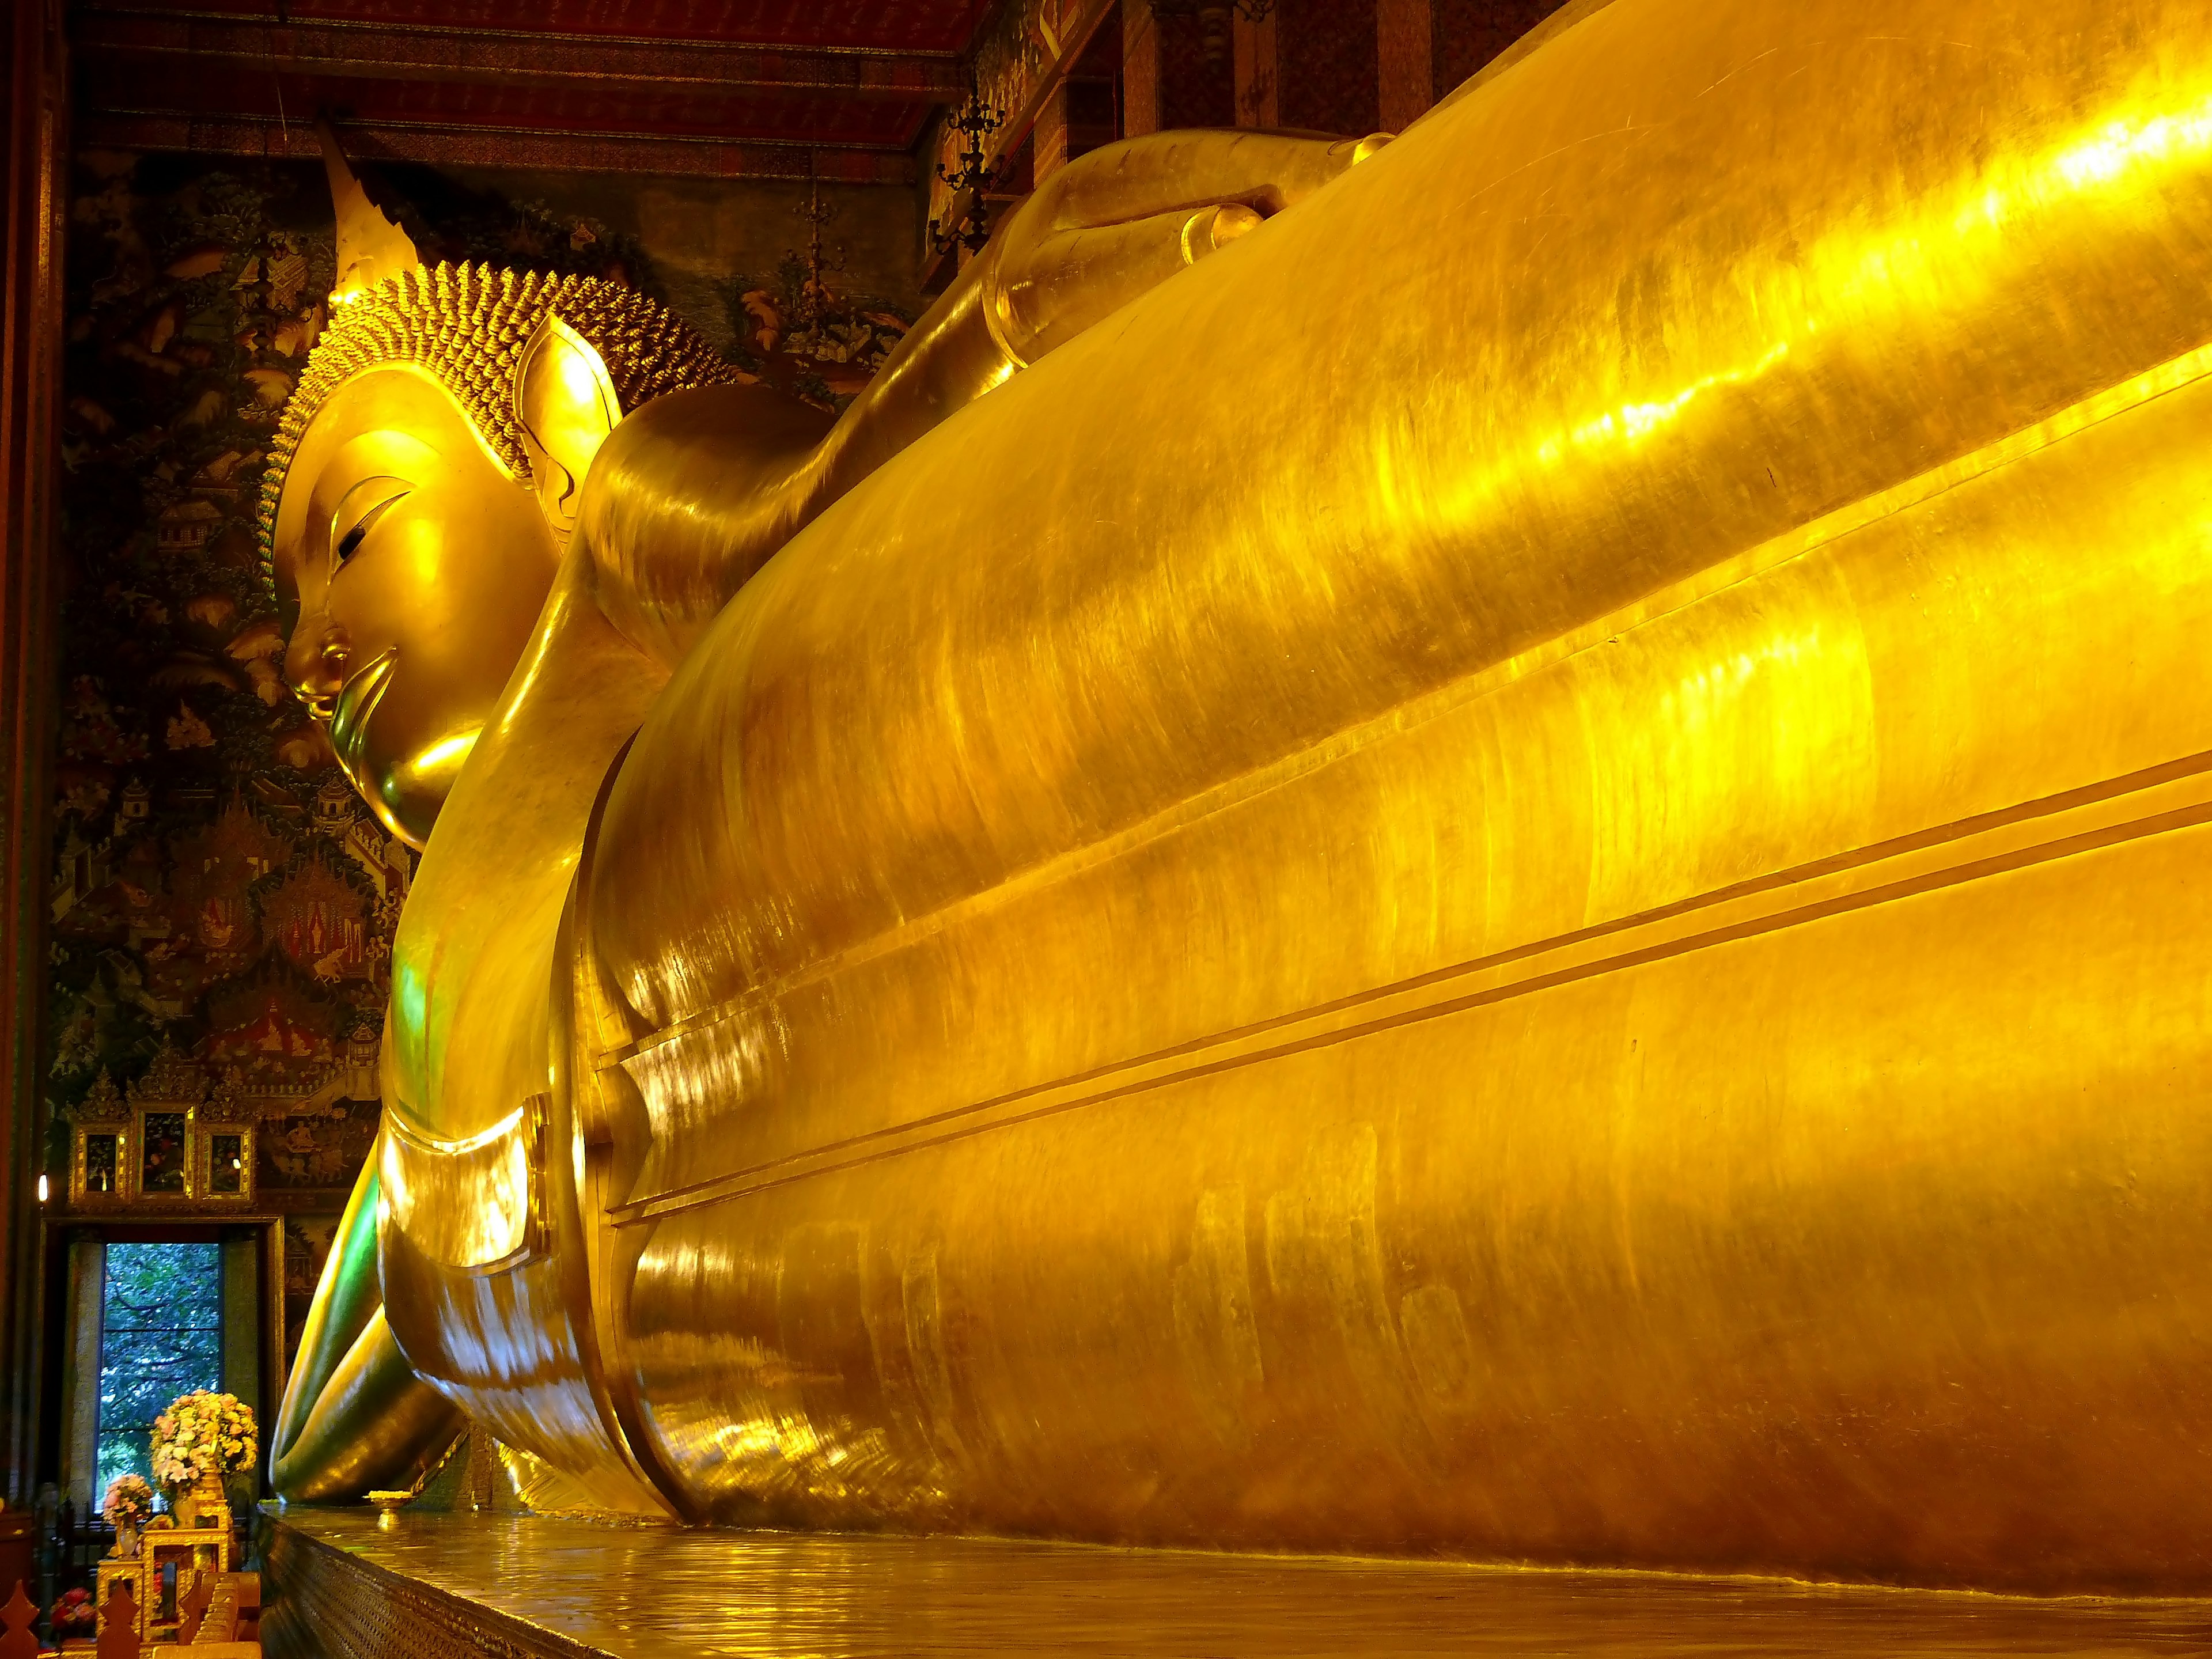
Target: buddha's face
x=418 y=566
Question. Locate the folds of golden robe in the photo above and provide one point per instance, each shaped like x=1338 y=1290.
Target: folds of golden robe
x=1521 y=871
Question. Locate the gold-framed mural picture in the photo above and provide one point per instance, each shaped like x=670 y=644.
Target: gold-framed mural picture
x=226 y=1167
x=164 y=1142
x=162 y=1146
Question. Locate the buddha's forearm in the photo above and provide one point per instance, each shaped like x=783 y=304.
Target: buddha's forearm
x=948 y=359
x=346 y=1299
x=355 y=1416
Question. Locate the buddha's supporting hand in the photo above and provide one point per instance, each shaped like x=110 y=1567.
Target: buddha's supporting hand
x=692 y=495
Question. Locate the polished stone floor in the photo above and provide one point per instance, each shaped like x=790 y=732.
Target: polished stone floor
x=660 y=1593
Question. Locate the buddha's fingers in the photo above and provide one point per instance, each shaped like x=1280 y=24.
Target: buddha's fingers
x=1049 y=293
x=1141 y=178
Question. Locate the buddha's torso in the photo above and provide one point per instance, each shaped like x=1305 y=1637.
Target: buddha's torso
x=1604 y=896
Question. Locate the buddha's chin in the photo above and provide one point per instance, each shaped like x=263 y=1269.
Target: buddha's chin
x=406 y=813
x=407 y=792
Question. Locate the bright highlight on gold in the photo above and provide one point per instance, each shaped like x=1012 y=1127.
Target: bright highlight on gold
x=1526 y=880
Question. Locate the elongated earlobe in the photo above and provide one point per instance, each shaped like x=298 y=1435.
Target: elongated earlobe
x=565 y=403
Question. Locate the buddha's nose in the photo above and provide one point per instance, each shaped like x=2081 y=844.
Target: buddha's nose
x=316 y=662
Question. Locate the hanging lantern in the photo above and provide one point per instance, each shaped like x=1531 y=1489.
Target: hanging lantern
x=969 y=226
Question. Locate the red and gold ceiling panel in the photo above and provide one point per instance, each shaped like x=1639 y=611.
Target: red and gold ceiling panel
x=927 y=25
x=768 y=88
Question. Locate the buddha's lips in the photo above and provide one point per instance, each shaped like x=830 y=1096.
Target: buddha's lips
x=356 y=700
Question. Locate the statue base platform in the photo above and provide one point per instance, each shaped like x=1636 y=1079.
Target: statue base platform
x=341 y=1586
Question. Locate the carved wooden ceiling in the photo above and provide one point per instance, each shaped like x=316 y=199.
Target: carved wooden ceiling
x=731 y=88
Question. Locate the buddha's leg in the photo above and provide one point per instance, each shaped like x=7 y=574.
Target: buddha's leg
x=692 y=493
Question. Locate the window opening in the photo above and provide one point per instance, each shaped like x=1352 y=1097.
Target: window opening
x=161 y=1335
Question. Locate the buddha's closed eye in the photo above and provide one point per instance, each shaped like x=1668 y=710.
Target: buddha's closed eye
x=364 y=504
x=352 y=539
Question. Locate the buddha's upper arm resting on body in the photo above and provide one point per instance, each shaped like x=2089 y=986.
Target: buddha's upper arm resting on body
x=1516 y=870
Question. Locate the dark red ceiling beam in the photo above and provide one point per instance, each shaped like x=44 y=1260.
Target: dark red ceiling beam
x=508 y=56
x=828 y=120
x=460 y=145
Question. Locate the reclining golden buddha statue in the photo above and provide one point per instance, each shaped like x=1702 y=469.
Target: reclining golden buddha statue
x=1516 y=869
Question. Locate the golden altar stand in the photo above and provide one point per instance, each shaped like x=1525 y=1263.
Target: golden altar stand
x=132 y=1570
x=210 y=1547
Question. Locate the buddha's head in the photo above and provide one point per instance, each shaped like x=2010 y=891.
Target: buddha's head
x=422 y=484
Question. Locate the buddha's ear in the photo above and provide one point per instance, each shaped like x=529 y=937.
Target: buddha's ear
x=565 y=403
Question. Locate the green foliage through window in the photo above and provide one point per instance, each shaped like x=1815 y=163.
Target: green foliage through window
x=161 y=1335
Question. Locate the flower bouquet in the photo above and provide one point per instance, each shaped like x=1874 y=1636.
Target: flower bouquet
x=203 y=1434
x=74 y=1615
x=127 y=1508
x=202 y=1437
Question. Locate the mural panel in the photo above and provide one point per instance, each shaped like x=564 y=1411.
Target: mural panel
x=215 y=886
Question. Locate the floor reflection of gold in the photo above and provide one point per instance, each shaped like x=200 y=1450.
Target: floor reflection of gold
x=634 y=1590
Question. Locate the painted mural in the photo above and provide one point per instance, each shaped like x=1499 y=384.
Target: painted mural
x=307 y=1242
x=214 y=884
